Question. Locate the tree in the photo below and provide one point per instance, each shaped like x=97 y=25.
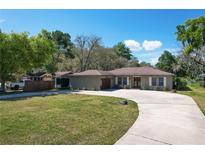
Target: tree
x=63 y=46
x=133 y=62
x=122 y=50
x=143 y=63
x=192 y=36
x=180 y=66
x=166 y=62
x=186 y=66
x=106 y=59
x=85 y=46
x=19 y=53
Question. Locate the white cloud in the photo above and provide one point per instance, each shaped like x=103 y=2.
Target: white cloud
x=173 y=50
x=154 y=60
x=2 y=20
x=133 y=45
x=151 y=45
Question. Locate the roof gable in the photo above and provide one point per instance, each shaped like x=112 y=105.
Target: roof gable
x=92 y=73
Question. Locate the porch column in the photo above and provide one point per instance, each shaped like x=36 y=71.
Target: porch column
x=116 y=80
x=128 y=80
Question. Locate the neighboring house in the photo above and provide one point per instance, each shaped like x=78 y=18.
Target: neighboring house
x=62 y=79
x=131 y=77
x=41 y=76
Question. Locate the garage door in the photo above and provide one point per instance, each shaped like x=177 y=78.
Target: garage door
x=105 y=83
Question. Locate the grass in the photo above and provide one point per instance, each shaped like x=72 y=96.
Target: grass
x=65 y=119
x=198 y=94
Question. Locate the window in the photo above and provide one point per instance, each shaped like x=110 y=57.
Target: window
x=119 y=80
x=161 y=82
x=124 y=80
x=154 y=81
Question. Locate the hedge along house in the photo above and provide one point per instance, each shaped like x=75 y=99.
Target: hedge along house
x=131 y=77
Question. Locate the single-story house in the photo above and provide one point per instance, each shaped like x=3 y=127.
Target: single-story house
x=130 y=77
x=62 y=79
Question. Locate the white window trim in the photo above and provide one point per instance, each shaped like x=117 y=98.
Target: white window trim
x=150 y=81
x=165 y=81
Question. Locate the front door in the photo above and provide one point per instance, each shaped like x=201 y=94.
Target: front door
x=137 y=82
x=105 y=83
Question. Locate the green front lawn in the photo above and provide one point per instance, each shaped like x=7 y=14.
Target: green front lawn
x=65 y=119
x=198 y=94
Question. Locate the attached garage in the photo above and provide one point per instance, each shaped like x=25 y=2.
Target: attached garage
x=91 y=80
x=62 y=79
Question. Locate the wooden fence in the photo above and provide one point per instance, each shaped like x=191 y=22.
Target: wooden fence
x=38 y=85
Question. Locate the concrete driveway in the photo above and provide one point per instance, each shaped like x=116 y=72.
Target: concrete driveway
x=164 y=118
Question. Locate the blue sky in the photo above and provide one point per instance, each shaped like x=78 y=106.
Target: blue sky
x=147 y=32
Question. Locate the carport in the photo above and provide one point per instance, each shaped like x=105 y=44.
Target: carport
x=62 y=79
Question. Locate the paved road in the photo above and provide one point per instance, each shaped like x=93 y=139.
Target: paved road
x=164 y=118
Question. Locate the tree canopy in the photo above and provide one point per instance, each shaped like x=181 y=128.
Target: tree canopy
x=122 y=50
x=192 y=36
x=63 y=46
x=84 y=47
x=19 y=53
x=166 y=62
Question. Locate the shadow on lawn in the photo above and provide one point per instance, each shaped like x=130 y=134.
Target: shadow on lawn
x=185 y=89
x=33 y=94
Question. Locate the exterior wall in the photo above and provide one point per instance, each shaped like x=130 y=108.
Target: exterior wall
x=170 y=82
x=145 y=83
x=128 y=86
x=85 y=82
x=94 y=82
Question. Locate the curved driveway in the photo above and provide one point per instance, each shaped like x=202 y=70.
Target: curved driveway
x=164 y=118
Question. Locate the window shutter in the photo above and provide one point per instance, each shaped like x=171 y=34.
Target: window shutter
x=150 y=81
x=165 y=81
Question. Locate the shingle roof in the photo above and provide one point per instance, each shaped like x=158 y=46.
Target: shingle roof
x=92 y=73
x=139 y=71
x=123 y=71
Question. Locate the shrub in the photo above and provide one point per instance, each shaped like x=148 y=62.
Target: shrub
x=158 y=88
x=180 y=83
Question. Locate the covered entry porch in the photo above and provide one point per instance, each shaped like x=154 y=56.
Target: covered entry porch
x=134 y=82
